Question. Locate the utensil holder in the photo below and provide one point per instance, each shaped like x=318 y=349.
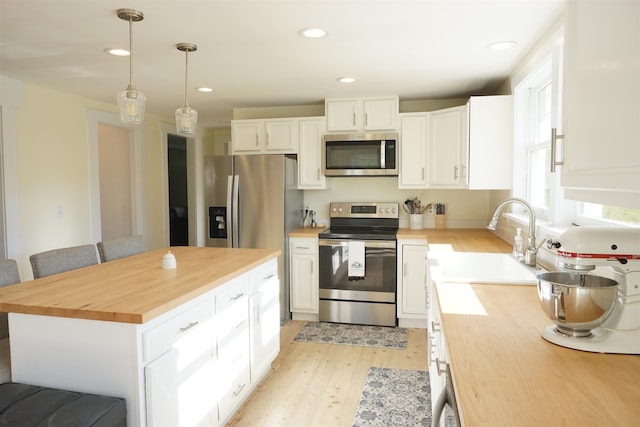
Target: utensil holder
x=416 y=221
x=441 y=221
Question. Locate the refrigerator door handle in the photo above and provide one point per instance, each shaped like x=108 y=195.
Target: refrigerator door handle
x=235 y=211
x=230 y=208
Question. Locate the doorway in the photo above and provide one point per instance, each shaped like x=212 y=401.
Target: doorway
x=178 y=190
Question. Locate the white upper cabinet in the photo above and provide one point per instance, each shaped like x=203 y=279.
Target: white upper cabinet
x=471 y=146
x=356 y=115
x=447 y=148
x=413 y=150
x=264 y=136
x=490 y=129
x=310 y=174
x=600 y=102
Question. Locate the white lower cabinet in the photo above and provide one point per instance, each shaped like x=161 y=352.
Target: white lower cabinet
x=305 y=299
x=232 y=337
x=178 y=383
x=204 y=361
x=412 y=283
x=265 y=319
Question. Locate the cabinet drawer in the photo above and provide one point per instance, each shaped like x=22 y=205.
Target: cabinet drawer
x=266 y=274
x=232 y=308
x=304 y=246
x=159 y=339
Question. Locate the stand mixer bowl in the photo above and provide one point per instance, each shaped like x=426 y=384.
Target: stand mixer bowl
x=577 y=303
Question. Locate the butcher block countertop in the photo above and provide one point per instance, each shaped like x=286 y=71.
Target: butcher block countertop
x=310 y=232
x=134 y=289
x=462 y=240
x=506 y=374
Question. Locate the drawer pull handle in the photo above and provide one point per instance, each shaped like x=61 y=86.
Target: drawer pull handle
x=238 y=296
x=302 y=247
x=189 y=326
x=239 y=390
x=435 y=327
x=268 y=277
x=441 y=362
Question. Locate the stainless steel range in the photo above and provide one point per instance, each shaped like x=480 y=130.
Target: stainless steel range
x=358 y=264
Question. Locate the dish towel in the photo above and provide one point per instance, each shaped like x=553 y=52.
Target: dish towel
x=356 y=259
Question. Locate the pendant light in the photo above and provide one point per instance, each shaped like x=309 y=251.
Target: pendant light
x=130 y=101
x=186 y=117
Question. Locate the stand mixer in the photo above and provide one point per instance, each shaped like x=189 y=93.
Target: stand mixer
x=581 y=250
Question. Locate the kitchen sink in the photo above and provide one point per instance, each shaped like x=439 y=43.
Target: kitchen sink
x=479 y=267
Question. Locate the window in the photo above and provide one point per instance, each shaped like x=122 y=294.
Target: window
x=592 y=213
x=534 y=100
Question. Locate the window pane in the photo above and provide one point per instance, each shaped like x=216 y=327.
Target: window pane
x=543 y=106
x=539 y=192
x=613 y=213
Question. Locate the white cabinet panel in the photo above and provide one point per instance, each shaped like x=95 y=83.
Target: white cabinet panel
x=368 y=114
x=413 y=150
x=310 y=174
x=447 y=144
x=264 y=136
x=304 y=275
x=600 y=102
x=412 y=279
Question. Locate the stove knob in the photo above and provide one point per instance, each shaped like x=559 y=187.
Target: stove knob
x=333 y=210
x=340 y=210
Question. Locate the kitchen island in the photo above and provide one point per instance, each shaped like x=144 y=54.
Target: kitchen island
x=505 y=374
x=182 y=346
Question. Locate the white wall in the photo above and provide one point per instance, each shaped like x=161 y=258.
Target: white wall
x=52 y=162
x=465 y=208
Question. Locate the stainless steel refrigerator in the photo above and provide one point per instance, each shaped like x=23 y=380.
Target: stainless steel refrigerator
x=253 y=202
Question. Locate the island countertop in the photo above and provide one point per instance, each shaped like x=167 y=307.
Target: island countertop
x=134 y=289
x=506 y=374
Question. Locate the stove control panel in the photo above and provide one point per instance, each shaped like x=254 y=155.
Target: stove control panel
x=364 y=210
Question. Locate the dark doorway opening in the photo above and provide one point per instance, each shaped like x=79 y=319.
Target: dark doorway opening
x=177 y=170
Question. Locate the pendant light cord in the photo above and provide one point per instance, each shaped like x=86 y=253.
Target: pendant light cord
x=130 y=53
x=186 y=75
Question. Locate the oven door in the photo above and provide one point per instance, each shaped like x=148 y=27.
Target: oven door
x=379 y=281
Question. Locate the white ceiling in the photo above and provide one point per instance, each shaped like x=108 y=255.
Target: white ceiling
x=250 y=53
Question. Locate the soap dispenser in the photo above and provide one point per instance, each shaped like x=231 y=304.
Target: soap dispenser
x=517 y=245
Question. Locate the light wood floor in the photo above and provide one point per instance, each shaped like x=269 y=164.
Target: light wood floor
x=313 y=384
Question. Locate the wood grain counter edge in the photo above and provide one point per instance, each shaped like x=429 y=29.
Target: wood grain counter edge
x=134 y=289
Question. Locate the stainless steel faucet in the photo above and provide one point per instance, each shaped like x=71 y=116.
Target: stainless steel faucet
x=532 y=250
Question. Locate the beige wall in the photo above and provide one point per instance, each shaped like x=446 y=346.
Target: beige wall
x=52 y=157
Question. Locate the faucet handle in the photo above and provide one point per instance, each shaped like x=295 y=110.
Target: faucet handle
x=551 y=244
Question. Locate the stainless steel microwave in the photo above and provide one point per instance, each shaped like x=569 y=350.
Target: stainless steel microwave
x=361 y=154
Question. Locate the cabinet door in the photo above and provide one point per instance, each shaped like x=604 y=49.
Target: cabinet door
x=447 y=147
x=246 y=134
x=265 y=321
x=414 y=280
x=281 y=135
x=179 y=383
x=413 y=151
x=600 y=103
x=380 y=114
x=343 y=115
x=310 y=174
x=490 y=129
x=304 y=276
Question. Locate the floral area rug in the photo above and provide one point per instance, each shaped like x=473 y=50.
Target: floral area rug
x=359 y=335
x=394 y=397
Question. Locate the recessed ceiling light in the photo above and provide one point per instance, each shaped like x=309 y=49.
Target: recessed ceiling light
x=346 y=79
x=116 y=51
x=204 y=89
x=502 y=45
x=312 y=33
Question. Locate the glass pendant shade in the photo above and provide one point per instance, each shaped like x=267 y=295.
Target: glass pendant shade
x=131 y=104
x=186 y=120
x=186 y=117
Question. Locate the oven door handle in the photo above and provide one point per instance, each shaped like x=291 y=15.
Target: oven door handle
x=367 y=243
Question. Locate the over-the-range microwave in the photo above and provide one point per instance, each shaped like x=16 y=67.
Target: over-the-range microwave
x=360 y=154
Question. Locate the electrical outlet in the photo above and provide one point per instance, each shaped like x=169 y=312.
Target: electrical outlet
x=59 y=211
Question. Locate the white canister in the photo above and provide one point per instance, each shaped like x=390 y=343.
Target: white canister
x=168 y=261
x=416 y=221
